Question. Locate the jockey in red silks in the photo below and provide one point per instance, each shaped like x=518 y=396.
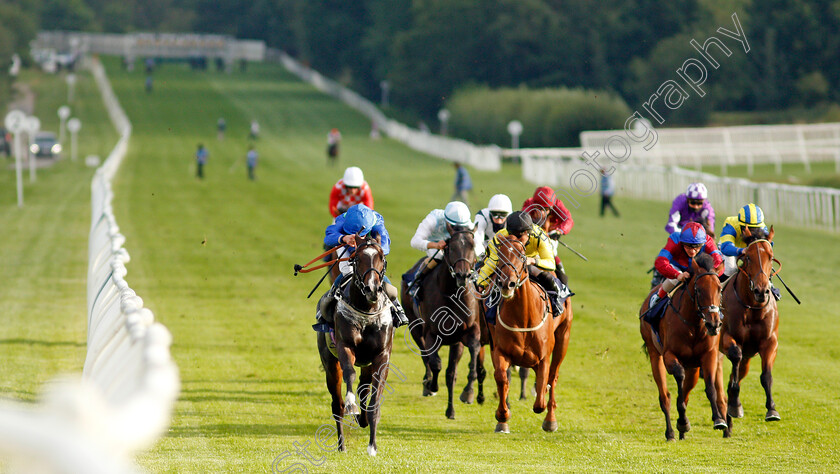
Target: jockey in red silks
x=551 y=215
x=352 y=189
x=674 y=259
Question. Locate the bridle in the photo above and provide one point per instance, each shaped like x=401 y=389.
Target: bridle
x=521 y=273
x=702 y=311
x=746 y=259
x=358 y=280
x=451 y=265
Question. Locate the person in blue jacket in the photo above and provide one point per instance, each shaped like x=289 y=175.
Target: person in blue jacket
x=363 y=221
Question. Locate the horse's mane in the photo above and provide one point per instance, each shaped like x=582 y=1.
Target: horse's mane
x=705 y=262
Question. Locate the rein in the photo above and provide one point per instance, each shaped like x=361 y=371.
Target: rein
x=773 y=273
x=519 y=282
x=307 y=269
x=451 y=266
x=696 y=299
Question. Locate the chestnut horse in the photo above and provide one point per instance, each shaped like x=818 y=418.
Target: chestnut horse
x=689 y=330
x=364 y=334
x=448 y=314
x=751 y=325
x=526 y=333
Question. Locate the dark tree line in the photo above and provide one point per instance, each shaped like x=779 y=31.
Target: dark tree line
x=427 y=49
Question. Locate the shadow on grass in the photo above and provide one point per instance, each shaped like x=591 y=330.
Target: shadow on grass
x=34 y=342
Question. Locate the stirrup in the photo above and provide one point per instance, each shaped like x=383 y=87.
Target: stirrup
x=398 y=315
x=777 y=293
x=414 y=289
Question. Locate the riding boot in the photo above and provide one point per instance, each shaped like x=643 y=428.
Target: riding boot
x=561 y=274
x=425 y=268
x=777 y=293
x=397 y=311
x=549 y=282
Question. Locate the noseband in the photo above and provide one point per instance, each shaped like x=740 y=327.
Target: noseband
x=745 y=258
x=521 y=273
x=700 y=309
x=358 y=280
x=451 y=265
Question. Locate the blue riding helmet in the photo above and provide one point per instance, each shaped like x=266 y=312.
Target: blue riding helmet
x=693 y=234
x=359 y=219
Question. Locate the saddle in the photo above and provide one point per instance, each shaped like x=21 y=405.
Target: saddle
x=558 y=302
x=328 y=301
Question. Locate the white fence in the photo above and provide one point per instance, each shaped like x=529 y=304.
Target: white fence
x=728 y=146
x=811 y=207
x=124 y=400
x=480 y=157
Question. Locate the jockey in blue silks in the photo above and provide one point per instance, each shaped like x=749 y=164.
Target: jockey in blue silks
x=362 y=221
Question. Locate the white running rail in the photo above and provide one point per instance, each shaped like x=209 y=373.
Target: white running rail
x=124 y=400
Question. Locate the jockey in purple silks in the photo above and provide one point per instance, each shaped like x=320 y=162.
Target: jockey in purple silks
x=691 y=207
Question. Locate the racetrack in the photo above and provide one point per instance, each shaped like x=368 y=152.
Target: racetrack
x=213 y=260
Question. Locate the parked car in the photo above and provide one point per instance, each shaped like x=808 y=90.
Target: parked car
x=45 y=144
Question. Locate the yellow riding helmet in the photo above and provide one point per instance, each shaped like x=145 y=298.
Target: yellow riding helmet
x=751 y=216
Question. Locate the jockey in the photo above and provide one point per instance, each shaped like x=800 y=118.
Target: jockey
x=692 y=207
x=539 y=256
x=491 y=219
x=551 y=215
x=358 y=220
x=352 y=189
x=732 y=242
x=431 y=237
x=674 y=259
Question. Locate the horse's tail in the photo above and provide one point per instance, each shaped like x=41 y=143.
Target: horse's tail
x=645 y=349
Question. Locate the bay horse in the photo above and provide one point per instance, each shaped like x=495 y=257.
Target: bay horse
x=689 y=331
x=447 y=315
x=751 y=325
x=526 y=333
x=363 y=337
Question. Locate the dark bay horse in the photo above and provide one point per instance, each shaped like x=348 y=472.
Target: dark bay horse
x=364 y=334
x=526 y=334
x=751 y=325
x=689 y=330
x=448 y=315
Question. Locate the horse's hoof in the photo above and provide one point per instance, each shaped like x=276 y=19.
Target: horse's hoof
x=683 y=427
x=502 y=428
x=736 y=411
x=727 y=433
x=371 y=450
x=480 y=399
x=538 y=409
x=450 y=413
x=670 y=439
x=772 y=415
x=549 y=426
x=720 y=424
x=428 y=393
x=352 y=410
x=468 y=396
x=361 y=420
x=682 y=434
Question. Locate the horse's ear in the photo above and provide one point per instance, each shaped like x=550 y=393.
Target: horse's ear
x=378 y=239
x=747 y=233
x=359 y=240
x=694 y=266
x=771 y=234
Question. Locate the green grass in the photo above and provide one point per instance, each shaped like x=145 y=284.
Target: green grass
x=822 y=173
x=44 y=248
x=213 y=260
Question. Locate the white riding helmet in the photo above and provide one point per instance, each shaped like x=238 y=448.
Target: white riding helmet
x=696 y=191
x=458 y=214
x=500 y=203
x=353 y=177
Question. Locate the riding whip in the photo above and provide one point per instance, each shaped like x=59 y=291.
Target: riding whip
x=788 y=289
x=322 y=278
x=573 y=250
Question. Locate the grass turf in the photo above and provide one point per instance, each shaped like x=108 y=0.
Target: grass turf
x=213 y=259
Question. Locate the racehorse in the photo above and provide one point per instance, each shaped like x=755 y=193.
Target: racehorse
x=690 y=330
x=363 y=337
x=526 y=334
x=447 y=314
x=751 y=325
